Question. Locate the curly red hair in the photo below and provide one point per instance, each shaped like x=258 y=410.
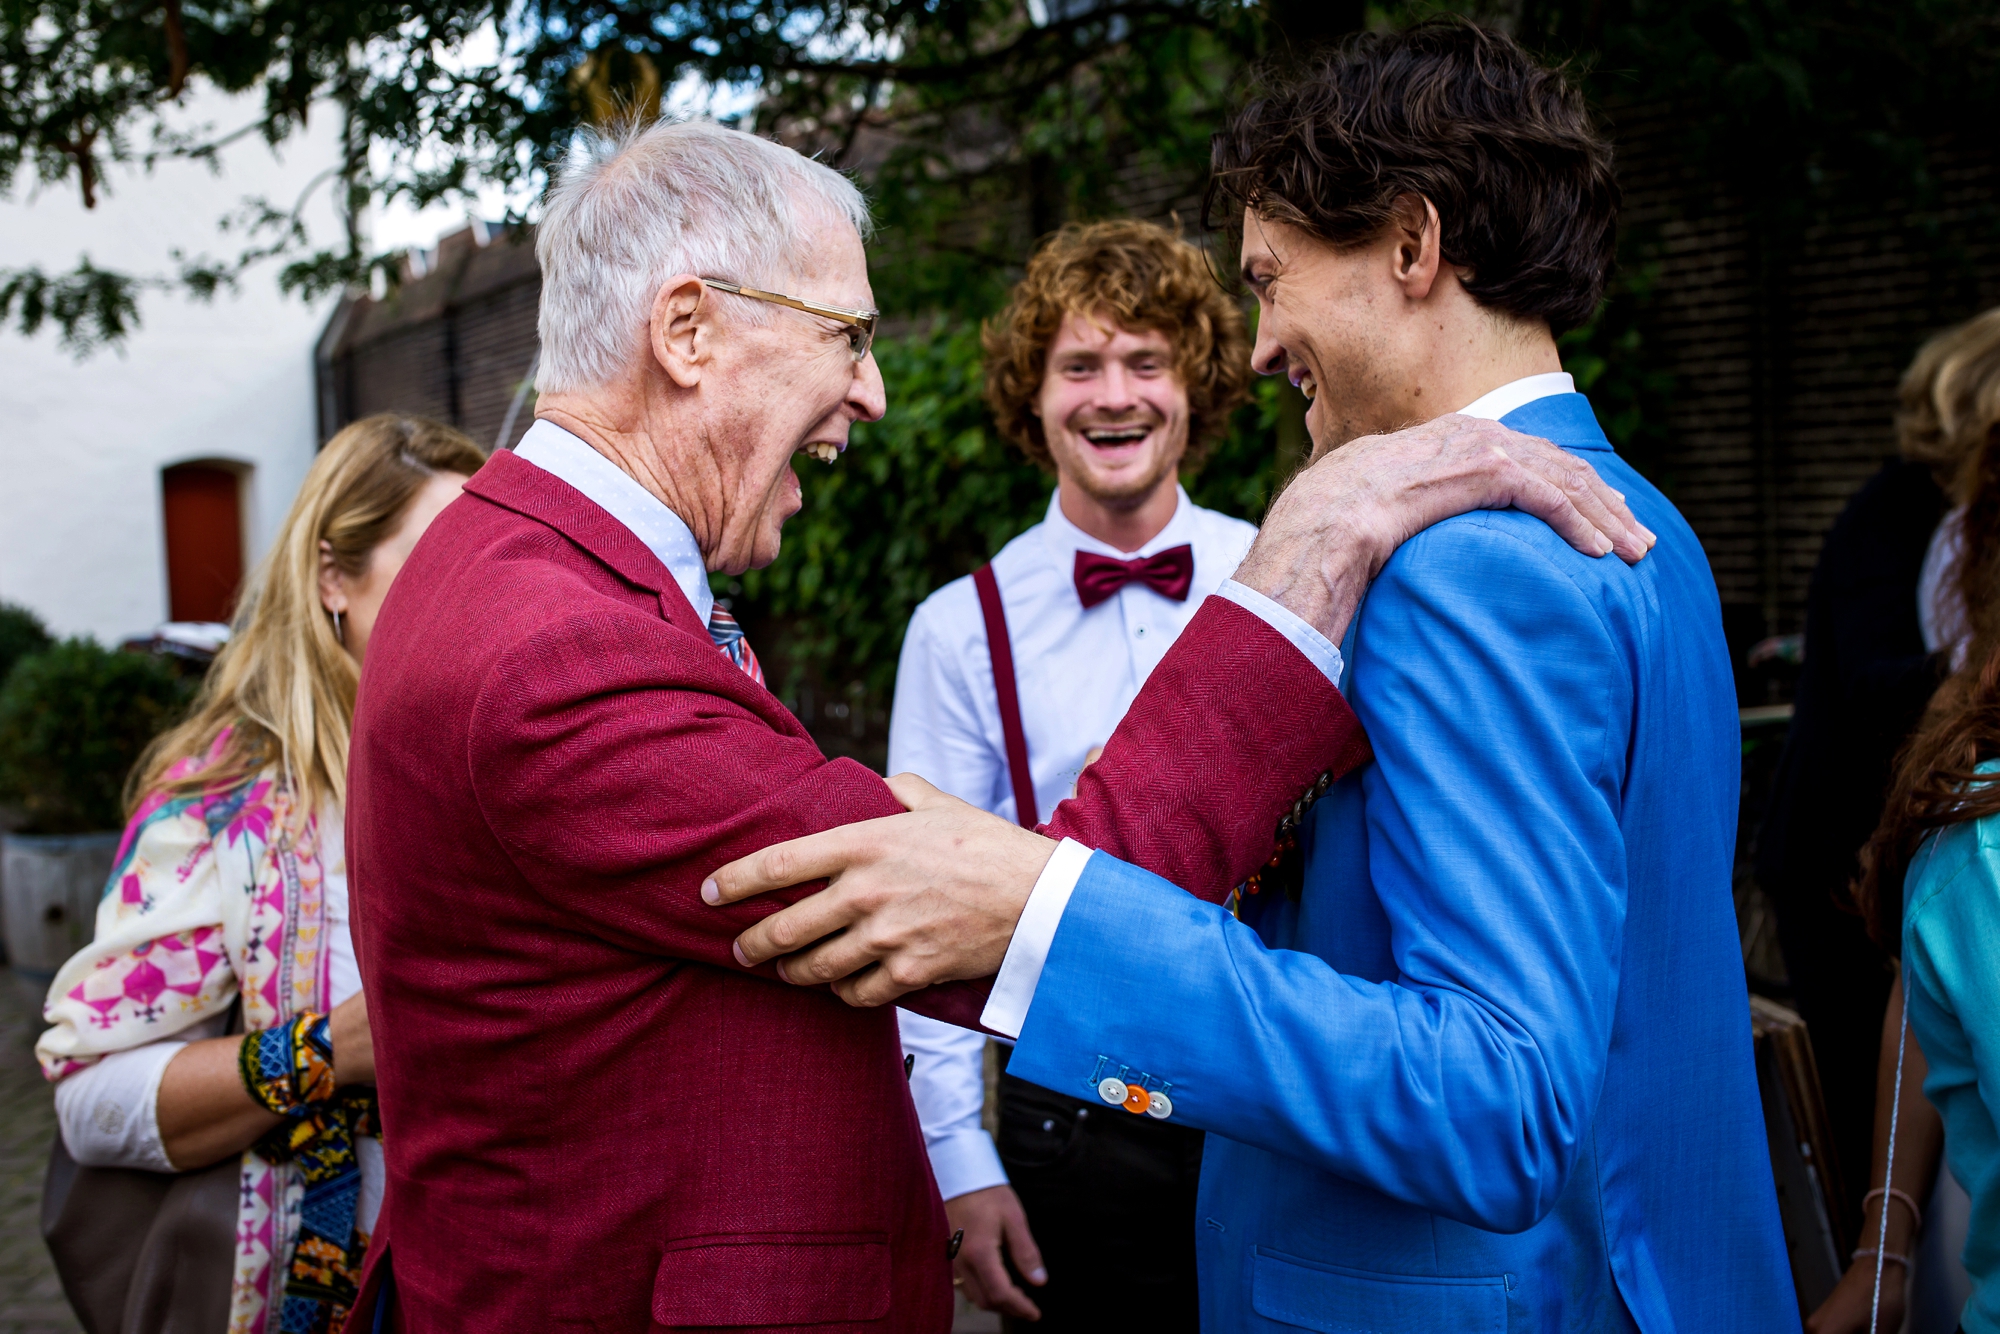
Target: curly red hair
x=1138 y=276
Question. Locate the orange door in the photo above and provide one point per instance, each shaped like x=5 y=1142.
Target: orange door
x=204 y=540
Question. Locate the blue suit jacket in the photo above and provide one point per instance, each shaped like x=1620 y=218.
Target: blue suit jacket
x=1493 y=1071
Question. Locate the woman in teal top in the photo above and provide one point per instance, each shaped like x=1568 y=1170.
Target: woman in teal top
x=1930 y=875
x=1951 y=981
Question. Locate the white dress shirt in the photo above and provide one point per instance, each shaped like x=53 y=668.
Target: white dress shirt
x=1077 y=672
x=1940 y=611
x=109 y=1112
x=1021 y=969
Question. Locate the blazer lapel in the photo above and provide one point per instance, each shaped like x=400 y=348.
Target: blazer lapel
x=518 y=485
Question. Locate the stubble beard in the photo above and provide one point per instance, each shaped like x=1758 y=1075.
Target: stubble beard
x=1130 y=495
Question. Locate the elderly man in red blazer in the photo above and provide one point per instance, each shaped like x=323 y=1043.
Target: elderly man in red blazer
x=595 y=1118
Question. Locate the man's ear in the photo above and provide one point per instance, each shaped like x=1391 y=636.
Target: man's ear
x=682 y=328
x=1417 y=254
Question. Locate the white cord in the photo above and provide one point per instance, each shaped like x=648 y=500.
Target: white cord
x=1895 y=1111
x=1889 y=1170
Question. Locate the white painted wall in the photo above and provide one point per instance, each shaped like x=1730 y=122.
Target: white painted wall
x=83 y=442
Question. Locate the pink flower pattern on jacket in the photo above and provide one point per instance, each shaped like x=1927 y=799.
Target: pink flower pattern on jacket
x=213 y=897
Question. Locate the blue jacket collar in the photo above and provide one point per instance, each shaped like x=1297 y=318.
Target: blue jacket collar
x=1563 y=419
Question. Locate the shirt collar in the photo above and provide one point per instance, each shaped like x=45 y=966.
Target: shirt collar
x=1065 y=539
x=1518 y=393
x=566 y=456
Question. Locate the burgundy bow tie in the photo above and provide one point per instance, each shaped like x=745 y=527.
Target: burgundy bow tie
x=1168 y=572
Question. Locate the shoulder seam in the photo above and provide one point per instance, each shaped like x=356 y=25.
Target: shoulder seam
x=1542 y=558
x=1937 y=890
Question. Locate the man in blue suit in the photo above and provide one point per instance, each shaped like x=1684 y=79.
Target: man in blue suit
x=1482 y=1062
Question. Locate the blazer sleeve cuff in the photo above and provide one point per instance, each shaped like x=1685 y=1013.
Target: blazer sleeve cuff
x=1021 y=969
x=1317 y=648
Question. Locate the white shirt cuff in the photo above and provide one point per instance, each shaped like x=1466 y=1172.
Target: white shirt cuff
x=1319 y=650
x=965 y=1161
x=1021 y=970
x=109 y=1111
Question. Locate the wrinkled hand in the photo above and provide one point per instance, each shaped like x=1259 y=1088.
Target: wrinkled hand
x=996 y=1230
x=353 y=1042
x=929 y=896
x=1332 y=529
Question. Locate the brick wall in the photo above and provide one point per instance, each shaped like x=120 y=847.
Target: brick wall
x=1786 y=360
x=454 y=342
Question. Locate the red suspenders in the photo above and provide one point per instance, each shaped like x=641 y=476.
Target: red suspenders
x=1002 y=650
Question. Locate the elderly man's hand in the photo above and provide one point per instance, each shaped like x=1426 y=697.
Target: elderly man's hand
x=932 y=895
x=1328 y=535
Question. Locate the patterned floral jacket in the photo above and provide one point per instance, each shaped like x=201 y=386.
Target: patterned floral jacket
x=212 y=897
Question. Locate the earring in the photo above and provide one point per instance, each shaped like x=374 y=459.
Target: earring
x=338 y=633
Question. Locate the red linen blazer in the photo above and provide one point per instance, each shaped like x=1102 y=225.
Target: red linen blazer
x=593 y=1118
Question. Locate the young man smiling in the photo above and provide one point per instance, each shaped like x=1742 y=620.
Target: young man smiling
x=1115 y=366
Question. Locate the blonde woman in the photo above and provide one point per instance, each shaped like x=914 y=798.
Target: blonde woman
x=230 y=885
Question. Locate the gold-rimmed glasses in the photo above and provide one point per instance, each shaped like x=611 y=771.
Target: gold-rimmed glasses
x=860 y=323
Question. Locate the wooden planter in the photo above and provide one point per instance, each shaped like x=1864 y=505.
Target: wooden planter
x=50 y=886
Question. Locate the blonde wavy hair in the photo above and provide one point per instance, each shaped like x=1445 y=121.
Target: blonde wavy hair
x=1140 y=276
x=282 y=689
x=1950 y=402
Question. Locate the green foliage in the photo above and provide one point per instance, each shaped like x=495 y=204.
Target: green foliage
x=1608 y=359
x=21 y=633
x=88 y=305
x=1244 y=468
x=73 y=719
x=979 y=124
x=954 y=109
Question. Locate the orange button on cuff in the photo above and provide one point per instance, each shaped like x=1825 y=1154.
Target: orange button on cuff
x=1137 y=1099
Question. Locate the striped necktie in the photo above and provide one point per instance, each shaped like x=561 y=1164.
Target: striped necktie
x=728 y=637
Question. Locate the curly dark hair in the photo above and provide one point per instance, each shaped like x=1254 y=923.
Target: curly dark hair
x=1459 y=115
x=1144 y=278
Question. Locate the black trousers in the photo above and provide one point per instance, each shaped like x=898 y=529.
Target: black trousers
x=1111 y=1198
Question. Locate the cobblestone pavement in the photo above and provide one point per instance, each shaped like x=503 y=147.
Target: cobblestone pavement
x=31 y=1301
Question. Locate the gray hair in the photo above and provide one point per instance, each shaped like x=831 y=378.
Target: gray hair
x=633 y=207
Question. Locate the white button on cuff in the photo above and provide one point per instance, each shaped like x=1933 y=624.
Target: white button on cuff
x=1161 y=1107
x=1113 y=1090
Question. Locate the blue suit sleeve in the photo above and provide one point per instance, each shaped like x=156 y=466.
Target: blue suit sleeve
x=1464 y=1080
